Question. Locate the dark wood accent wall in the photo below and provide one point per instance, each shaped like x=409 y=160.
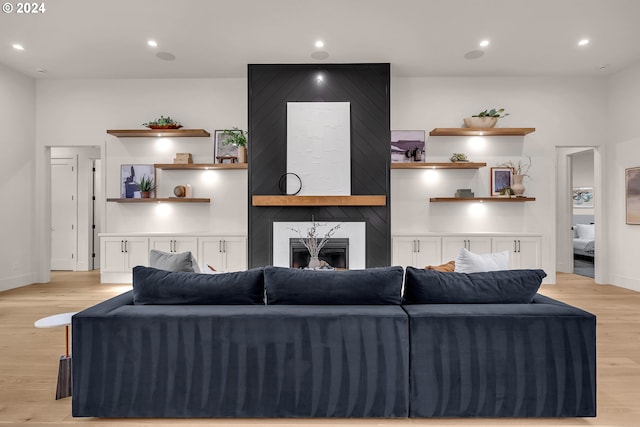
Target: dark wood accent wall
x=366 y=87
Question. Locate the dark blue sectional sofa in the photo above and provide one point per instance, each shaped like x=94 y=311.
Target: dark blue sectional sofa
x=334 y=344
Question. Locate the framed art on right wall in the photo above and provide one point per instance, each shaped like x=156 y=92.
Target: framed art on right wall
x=632 y=195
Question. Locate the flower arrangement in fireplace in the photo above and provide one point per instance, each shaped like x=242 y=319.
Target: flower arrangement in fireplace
x=311 y=241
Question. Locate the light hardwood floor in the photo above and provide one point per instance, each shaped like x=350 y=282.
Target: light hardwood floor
x=28 y=358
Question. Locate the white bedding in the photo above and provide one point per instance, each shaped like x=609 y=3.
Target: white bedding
x=584 y=246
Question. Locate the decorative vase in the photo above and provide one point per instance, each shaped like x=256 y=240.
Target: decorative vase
x=480 y=122
x=242 y=154
x=517 y=187
x=314 y=262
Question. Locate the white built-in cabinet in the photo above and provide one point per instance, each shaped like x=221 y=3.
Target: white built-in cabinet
x=120 y=253
x=416 y=251
x=525 y=251
x=226 y=253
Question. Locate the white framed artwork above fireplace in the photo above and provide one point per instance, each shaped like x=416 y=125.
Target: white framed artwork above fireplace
x=283 y=231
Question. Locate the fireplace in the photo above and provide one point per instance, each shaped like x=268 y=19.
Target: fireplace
x=335 y=253
x=346 y=248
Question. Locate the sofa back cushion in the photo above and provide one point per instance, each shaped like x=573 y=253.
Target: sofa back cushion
x=371 y=286
x=492 y=287
x=154 y=286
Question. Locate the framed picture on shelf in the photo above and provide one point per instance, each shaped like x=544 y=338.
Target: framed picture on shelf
x=130 y=175
x=224 y=152
x=407 y=146
x=582 y=197
x=632 y=193
x=501 y=178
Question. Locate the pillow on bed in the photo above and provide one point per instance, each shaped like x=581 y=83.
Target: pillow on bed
x=469 y=262
x=154 y=286
x=493 y=287
x=586 y=231
x=184 y=261
x=373 y=286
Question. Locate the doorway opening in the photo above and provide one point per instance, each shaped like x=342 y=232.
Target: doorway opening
x=578 y=214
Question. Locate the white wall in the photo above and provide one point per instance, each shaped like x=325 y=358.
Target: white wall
x=17 y=142
x=78 y=113
x=560 y=109
x=623 y=240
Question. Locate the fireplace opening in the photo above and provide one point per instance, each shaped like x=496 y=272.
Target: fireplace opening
x=335 y=253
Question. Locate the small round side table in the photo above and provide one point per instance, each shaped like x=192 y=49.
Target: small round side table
x=64 y=386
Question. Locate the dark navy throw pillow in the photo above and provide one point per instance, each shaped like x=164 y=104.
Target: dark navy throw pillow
x=491 y=287
x=381 y=285
x=154 y=286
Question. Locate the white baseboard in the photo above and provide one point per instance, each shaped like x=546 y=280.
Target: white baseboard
x=631 y=283
x=17 y=281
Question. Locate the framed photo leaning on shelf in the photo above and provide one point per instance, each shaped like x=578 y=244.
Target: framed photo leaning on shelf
x=501 y=178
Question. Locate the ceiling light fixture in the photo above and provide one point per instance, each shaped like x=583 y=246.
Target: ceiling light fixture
x=484 y=43
x=18 y=46
x=319 y=43
x=583 y=42
x=152 y=43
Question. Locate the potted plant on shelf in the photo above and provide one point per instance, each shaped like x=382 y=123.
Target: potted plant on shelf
x=163 y=123
x=520 y=170
x=485 y=119
x=238 y=138
x=146 y=186
x=459 y=157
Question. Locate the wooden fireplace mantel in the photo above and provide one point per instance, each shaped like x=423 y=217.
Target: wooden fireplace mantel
x=374 y=200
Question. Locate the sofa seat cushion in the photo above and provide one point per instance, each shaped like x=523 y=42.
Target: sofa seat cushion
x=436 y=287
x=502 y=360
x=154 y=286
x=381 y=285
x=241 y=361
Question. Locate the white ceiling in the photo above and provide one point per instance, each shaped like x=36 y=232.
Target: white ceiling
x=218 y=38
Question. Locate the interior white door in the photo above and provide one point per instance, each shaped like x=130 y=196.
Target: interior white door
x=64 y=213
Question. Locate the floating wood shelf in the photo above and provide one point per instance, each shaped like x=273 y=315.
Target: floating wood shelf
x=199 y=166
x=319 y=200
x=445 y=165
x=157 y=133
x=483 y=199
x=481 y=131
x=162 y=199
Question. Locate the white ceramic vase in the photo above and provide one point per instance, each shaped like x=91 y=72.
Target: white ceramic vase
x=517 y=187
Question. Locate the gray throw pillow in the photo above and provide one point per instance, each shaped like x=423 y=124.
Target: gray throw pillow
x=172 y=262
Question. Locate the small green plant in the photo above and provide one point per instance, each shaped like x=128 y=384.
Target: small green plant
x=492 y=113
x=507 y=191
x=163 y=121
x=146 y=184
x=458 y=157
x=235 y=136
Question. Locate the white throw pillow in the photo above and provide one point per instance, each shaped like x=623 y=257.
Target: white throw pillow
x=586 y=231
x=468 y=262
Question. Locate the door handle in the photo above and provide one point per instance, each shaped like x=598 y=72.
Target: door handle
x=122 y=246
x=125 y=246
x=518 y=246
x=418 y=242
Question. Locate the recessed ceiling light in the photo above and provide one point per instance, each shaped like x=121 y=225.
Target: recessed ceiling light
x=583 y=42
x=484 y=43
x=166 y=56
x=41 y=70
x=319 y=43
x=18 y=46
x=152 y=43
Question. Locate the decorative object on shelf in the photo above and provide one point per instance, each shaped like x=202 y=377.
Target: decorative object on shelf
x=507 y=192
x=485 y=119
x=407 y=146
x=501 y=178
x=188 y=191
x=128 y=179
x=146 y=185
x=582 y=197
x=231 y=143
x=464 y=193
x=183 y=159
x=282 y=184
x=163 y=123
x=459 y=157
x=313 y=243
x=180 y=191
x=632 y=192
x=520 y=170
